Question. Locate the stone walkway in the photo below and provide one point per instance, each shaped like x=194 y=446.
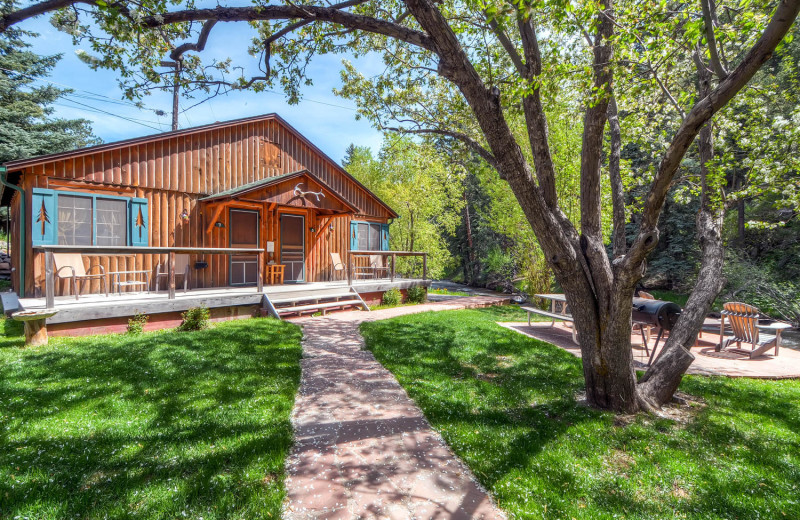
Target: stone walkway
x=363 y=449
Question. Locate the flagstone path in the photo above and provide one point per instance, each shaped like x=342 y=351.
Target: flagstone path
x=363 y=449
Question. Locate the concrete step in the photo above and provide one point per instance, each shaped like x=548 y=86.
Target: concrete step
x=318 y=306
x=311 y=295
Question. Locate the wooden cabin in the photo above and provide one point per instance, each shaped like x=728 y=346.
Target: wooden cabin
x=238 y=204
x=248 y=183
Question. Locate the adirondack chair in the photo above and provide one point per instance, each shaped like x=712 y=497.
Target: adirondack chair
x=338 y=268
x=743 y=320
x=69 y=266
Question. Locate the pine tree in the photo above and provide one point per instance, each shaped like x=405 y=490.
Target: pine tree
x=27 y=125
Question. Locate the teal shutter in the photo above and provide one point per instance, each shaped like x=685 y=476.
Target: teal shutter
x=44 y=217
x=353 y=235
x=138 y=223
x=384 y=237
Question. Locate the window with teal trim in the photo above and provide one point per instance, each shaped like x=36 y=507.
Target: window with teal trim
x=86 y=219
x=369 y=236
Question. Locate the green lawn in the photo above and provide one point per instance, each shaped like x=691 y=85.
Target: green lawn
x=161 y=425
x=506 y=404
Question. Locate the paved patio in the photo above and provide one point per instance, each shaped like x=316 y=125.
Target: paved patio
x=363 y=449
x=707 y=361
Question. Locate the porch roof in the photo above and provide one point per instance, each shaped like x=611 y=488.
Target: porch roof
x=272 y=181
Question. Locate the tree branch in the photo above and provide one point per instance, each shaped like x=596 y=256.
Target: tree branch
x=31 y=11
x=719 y=70
x=534 y=114
x=312 y=13
x=179 y=51
x=615 y=176
x=507 y=44
x=464 y=138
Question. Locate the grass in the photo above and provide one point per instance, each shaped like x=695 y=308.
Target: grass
x=159 y=425
x=447 y=292
x=506 y=405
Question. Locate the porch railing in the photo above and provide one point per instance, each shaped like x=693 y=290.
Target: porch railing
x=392 y=256
x=131 y=250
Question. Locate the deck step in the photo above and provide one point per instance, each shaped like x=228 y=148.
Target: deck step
x=318 y=306
x=291 y=298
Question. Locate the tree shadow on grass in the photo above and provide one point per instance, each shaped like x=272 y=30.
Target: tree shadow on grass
x=505 y=403
x=150 y=426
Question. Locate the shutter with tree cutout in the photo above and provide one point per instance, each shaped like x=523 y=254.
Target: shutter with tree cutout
x=138 y=223
x=44 y=221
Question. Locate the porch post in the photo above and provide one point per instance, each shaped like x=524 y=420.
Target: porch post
x=394 y=258
x=349 y=269
x=49 y=282
x=424 y=266
x=260 y=271
x=171 y=268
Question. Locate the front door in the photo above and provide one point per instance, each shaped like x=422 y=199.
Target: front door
x=293 y=255
x=243 y=233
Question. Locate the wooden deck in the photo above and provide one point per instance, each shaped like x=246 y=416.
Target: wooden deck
x=99 y=306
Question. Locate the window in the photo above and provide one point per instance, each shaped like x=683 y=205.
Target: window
x=112 y=222
x=369 y=236
x=85 y=219
x=74 y=220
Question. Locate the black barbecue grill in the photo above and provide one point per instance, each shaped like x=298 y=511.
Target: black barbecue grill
x=655 y=313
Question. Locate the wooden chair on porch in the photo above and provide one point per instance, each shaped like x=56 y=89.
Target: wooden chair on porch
x=181 y=269
x=338 y=269
x=72 y=265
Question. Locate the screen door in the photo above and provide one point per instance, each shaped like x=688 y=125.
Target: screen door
x=293 y=247
x=244 y=233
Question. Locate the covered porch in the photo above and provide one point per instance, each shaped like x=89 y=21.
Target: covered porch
x=132 y=292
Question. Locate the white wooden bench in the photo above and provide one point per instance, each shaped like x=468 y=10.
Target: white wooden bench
x=553 y=316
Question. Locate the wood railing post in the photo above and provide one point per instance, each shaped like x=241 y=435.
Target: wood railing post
x=49 y=281
x=424 y=266
x=171 y=269
x=260 y=272
x=349 y=269
x=394 y=259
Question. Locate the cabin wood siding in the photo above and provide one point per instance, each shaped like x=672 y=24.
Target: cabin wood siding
x=174 y=172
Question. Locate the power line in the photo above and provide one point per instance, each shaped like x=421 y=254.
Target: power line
x=148 y=124
x=34 y=78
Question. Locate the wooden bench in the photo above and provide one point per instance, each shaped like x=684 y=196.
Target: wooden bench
x=553 y=316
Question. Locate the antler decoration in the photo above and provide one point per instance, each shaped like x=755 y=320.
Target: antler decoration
x=301 y=193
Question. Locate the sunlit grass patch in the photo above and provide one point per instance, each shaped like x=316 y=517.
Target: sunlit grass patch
x=506 y=404
x=159 y=425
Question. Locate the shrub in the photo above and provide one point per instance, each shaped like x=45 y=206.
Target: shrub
x=137 y=323
x=417 y=294
x=195 y=318
x=392 y=297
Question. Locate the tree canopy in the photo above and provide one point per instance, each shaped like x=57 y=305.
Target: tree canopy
x=27 y=126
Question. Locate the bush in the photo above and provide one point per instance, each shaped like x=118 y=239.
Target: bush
x=137 y=323
x=392 y=297
x=195 y=318
x=417 y=294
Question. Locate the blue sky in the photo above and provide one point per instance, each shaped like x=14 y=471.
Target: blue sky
x=328 y=121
